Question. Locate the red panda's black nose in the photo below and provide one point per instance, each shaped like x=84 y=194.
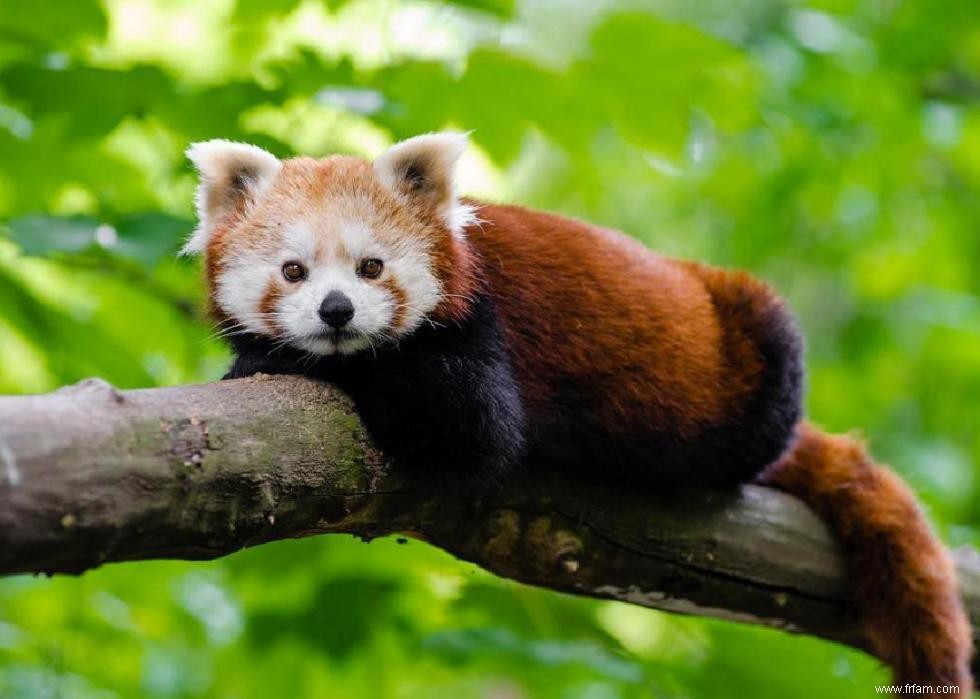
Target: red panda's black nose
x=336 y=310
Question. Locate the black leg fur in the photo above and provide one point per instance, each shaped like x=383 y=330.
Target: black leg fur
x=255 y=361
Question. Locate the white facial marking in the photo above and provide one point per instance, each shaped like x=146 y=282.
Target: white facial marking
x=240 y=289
x=299 y=244
x=315 y=245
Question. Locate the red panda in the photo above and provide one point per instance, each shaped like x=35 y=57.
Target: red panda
x=476 y=339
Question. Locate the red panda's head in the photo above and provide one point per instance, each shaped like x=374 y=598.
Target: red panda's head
x=334 y=255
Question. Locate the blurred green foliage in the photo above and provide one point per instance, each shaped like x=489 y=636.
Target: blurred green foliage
x=831 y=147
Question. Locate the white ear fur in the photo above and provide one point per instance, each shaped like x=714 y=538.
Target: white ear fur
x=424 y=168
x=229 y=171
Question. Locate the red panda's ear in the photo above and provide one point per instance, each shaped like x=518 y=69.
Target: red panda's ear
x=423 y=169
x=232 y=174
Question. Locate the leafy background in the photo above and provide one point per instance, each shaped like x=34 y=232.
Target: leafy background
x=831 y=147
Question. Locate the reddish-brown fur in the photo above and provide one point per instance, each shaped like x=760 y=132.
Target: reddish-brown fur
x=902 y=580
x=611 y=310
x=630 y=320
x=398 y=294
x=267 y=306
x=660 y=343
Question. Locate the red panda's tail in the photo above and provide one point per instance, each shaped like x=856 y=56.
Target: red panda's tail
x=902 y=579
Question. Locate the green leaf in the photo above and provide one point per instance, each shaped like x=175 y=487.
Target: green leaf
x=150 y=237
x=51 y=25
x=504 y=8
x=41 y=235
x=146 y=238
x=92 y=101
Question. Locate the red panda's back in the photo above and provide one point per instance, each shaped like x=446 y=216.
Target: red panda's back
x=640 y=342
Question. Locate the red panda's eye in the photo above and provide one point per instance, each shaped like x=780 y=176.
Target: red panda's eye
x=294 y=272
x=370 y=268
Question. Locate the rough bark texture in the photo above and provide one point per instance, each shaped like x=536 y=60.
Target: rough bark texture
x=90 y=475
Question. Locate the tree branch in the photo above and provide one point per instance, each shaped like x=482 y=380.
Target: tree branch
x=90 y=475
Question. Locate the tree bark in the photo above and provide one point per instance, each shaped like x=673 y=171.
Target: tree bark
x=90 y=475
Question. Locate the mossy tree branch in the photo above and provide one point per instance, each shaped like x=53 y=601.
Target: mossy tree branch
x=90 y=475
